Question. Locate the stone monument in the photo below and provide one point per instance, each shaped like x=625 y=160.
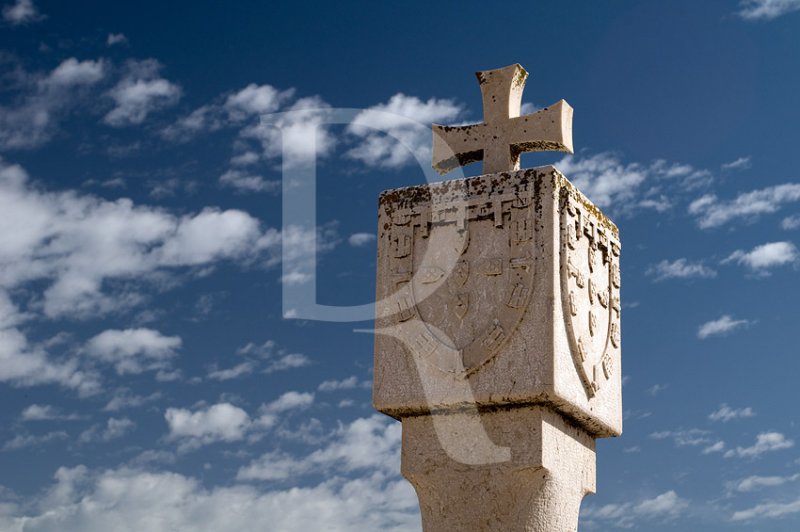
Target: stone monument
x=498 y=325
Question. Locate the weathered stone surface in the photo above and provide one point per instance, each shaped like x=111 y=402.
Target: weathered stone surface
x=499 y=291
x=504 y=134
x=550 y=467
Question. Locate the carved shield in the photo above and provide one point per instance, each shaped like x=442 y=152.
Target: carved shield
x=478 y=300
x=590 y=287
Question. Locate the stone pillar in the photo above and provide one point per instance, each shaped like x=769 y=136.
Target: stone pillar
x=498 y=346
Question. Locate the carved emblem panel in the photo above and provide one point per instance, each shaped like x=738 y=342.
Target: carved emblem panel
x=590 y=287
x=462 y=266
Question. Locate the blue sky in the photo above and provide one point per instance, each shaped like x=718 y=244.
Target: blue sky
x=149 y=377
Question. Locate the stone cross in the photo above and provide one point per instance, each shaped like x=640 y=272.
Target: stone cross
x=504 y=134
x=498 y=334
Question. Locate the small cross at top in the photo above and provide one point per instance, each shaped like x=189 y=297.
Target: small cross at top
x=504 y=134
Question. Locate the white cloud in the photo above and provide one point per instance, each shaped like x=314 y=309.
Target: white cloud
x=657 y=389
x=239 y=370
x=219 y=422
x=77 y=243
x=288 y=361
x=349 y=383
x=115 y=428
x=134 y=350
x=31 y=117
x=23 y=364
x=721 y=326
x=139 y=93
x=610 y=183
x=684 y=438
x=390 y=134
x=765 y=256
x=24 y=441
x=123 y=399
x=300 y=136
x=277 y=359
x=769 y=510
x=742 y=163
x=680 y=269
x=756 y=482
x=290 y=401
x=716 y=447
x=246 y=182
x=791 y=222
x=366 y=443
x=713 y=212
x=298 y=247
x=73 y=72
x=45 y=413
x=21 y=12
x=116 y=38
x=765 y=442
x=163 y=501
x=726 y=413
x=255 y=100
x=228 y=110
x=667 y=505
x=766 y=9
x=285 y=403
x=361 y=239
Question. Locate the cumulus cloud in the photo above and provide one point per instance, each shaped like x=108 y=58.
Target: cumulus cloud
x=712 y=212
x=45 y=413
x=721 y=326
x=239 y=370
x=366 y=443
x=139 y=93
x=133 y=350
x=756 y=482
x=361 y=239
x=684 y=438
x=24 y=364
x=21 y=12
x=349 y=383
x=247 y=182
x=742 y=163
x=768 y=510
x=766 y=9
x=25 y=441
x=76 y=244
x=765 y=442
x=39 y=101
x=726 y=413
x=391 y=134
x=219 y=422
x=765 y=256
x=269 y=413
x=275 y=358
x=680 y=269
x=114 y=428
x=610 y=183
x=123 y=398
x=116 y=38
x=667 y=505
x=128 y=499
x=229 y=110
x=791 y=222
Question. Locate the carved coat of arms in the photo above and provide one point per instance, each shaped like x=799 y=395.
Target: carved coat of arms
x=469 y=299
x=590 y=288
